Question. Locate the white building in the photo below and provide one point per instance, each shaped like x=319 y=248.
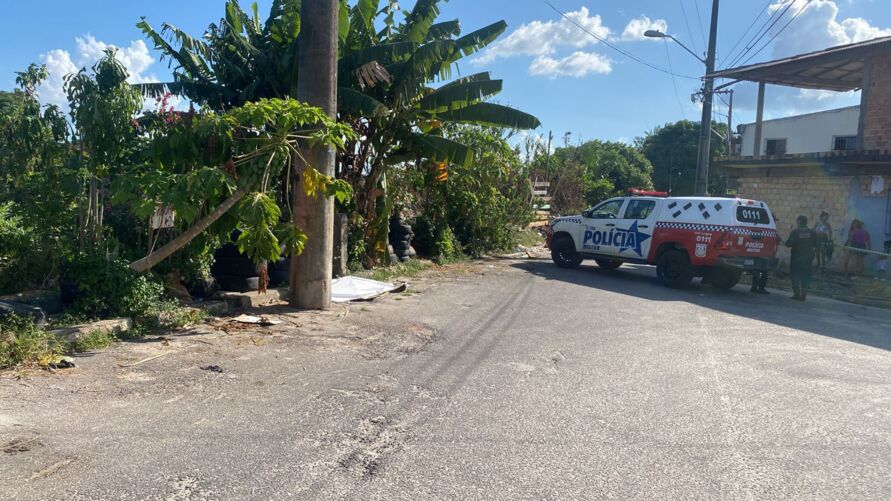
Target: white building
x=824 y=131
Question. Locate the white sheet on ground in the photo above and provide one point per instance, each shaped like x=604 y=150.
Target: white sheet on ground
x=346 y=289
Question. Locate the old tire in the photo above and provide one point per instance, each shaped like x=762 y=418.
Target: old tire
x=608 y=264
x=724 y=278
x=563 y=253
x=674 y=269
x=240 y=266
x=229 y=283
x=35 y=313
x=279 y=272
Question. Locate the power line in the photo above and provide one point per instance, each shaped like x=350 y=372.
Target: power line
x=674 y=81
x=730 y=52
x=751 y=46
x=699 y=19
x=687 y=22
x=611 y=46
x=800 y=11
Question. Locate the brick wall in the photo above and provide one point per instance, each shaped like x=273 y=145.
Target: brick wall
x=790 y=197
x=877 y=125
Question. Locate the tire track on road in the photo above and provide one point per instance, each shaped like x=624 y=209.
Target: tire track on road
x=390 y=428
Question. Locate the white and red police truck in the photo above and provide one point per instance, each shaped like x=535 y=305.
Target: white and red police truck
x=717 y=239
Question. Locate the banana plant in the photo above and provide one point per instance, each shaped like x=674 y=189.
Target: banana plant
x=395 y=81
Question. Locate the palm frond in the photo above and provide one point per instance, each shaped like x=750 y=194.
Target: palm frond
x=491 y=115
x=458 y=96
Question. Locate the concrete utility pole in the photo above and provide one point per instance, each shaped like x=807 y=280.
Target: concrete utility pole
x=316 y=85
x=705 y=134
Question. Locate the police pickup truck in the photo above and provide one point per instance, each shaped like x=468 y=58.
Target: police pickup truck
x=717 y=239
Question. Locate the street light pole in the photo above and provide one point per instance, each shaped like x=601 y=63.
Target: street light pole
x=705 y=133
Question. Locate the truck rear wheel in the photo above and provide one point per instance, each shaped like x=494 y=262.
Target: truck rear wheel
x=724 y=278
x=563 y=253
x=608 y=264
x=674 y=270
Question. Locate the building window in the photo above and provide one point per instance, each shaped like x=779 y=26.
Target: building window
x=844 y=143
x=776 y=147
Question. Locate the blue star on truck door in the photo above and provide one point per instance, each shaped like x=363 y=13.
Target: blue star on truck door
x=637 y=223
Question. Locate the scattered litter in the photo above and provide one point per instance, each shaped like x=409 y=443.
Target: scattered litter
x=254 y=320
x=58 y=362
x=213 y=368
x=149 y=359
x=346 y=289
x=20 y=445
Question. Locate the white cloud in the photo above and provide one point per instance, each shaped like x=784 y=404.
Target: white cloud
x=818 y=27
x=542 y=38
x=59 y=63
x=635 y=28
x=576 y=65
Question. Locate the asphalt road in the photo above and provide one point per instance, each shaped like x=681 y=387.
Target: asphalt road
x=516 y=380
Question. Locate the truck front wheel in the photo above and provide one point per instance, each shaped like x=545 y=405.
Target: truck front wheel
x=674 y=269
x=564 y=254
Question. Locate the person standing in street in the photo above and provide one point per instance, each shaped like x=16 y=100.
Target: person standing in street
x=824 y=241
x=858 y=241
x=759 y=282
x=803 y=242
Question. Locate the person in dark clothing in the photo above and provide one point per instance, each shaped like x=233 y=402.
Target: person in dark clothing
x=759 y=282
x=803 y=242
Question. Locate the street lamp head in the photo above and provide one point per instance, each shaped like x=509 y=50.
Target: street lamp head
x=654 y=34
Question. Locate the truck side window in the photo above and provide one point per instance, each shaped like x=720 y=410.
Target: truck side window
x=639 y=209
x=606 y=210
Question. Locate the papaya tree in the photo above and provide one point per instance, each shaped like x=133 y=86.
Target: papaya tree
x=386 y=78
x=205 y=164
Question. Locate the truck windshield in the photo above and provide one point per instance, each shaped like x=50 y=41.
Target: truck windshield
x=752 y=215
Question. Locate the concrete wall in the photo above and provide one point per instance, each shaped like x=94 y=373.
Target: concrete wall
x=877 y=123
x=843 y=197
x=811 y=133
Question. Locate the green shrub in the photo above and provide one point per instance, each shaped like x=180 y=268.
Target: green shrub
x=24 y=344
x=435 y=240
x=111 y=289
x=108 y=288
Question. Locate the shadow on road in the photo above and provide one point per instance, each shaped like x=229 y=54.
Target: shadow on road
x=826 y=317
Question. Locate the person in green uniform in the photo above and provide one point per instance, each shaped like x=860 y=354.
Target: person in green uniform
x=803 y=242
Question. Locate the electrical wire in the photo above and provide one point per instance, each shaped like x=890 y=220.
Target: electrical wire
x=611 y=46
x=699 y=19
x=674 y=81
x=689 y=31
x=754 y=21
x=800 y=11
x=751 y=46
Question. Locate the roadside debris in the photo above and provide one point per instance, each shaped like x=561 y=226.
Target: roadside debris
x=213 y=368
x=346 y=289
x=58 y=362
x=19 y=445
x=256 y=320
x=149 y=359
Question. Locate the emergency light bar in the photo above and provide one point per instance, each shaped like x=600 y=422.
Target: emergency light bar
x=634 y=192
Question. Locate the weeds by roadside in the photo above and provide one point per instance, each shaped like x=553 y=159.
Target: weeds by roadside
x=22 y=344
x=529 y=238
x=401 y=270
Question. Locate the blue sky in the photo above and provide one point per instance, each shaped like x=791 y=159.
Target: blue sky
x=550 y=67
